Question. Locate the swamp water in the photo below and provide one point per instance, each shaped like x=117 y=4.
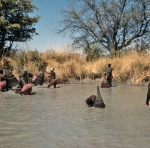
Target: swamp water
x=59 y=118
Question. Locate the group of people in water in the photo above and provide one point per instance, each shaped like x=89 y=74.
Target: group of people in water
x=106 y=83
x=23 y=85
x=7 y=81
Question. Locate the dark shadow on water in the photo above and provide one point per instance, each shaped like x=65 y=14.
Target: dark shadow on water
x=114 y=85
x=49 y=87
x=53 y=87
x=109 y=87
x=42 y=87
x=33 y=93
x=12 y=89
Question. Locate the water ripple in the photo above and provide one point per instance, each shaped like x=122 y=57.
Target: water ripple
x=59 y=118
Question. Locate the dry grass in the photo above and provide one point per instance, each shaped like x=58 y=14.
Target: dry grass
x=130 y=67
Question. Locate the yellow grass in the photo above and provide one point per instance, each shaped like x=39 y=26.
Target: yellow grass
x=129 y=67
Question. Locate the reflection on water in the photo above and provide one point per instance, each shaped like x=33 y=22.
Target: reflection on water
x=59 y=118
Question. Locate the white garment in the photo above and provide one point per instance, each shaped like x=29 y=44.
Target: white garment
x=33 y=78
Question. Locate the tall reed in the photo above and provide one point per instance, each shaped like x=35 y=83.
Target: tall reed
x=129 y=67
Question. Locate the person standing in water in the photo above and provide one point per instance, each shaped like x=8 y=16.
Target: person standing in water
x=7 y=73
x=52 y=78
x=2 y=83
x=148 y=96
x=109 y=75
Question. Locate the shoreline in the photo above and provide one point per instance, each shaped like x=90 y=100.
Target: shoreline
x=96 y=81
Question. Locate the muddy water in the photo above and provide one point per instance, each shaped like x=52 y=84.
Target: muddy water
x=59 y=118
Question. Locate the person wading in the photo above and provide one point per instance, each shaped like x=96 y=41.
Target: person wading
x=109 y=75
x=52 y=78
x=148 y=96
x=6 y=75
x=25 y=87
x=2 y=83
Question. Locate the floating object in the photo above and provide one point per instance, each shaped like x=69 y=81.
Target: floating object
x=105 y=83
x=99 y=101
x=26 y=90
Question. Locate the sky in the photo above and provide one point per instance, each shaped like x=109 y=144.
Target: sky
x=49 y=10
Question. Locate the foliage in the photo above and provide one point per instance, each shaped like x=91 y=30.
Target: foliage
x=16 y=23
x=114 y=24
x=29 y=60
x=92 y=52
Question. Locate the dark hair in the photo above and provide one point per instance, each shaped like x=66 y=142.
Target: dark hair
x=30 y=75
x=89 y=102
x=25 y=73
x=109 y=65
x=1 y=71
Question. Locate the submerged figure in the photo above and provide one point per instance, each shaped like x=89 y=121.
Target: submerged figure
x=23 y=86
x=52 y=78
x=95 y=101
x=2 y=81
x=148 y=96
x=90 y=101
x=109 y=75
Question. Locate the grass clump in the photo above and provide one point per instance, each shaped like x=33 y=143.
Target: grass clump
x=129 y=67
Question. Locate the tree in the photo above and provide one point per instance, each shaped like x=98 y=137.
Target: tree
x=114 y=24
x=16 y=22
x=92 y=52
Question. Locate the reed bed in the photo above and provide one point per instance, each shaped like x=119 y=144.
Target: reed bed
x=130 y=67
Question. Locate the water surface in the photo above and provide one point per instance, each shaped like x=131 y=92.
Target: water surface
x=59 y=118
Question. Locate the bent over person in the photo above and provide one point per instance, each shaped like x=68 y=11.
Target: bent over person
x=25 y=87
x=52 y=78
x=148 y=96
x=90 y=101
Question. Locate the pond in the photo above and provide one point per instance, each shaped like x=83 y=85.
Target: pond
x=59 y=118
